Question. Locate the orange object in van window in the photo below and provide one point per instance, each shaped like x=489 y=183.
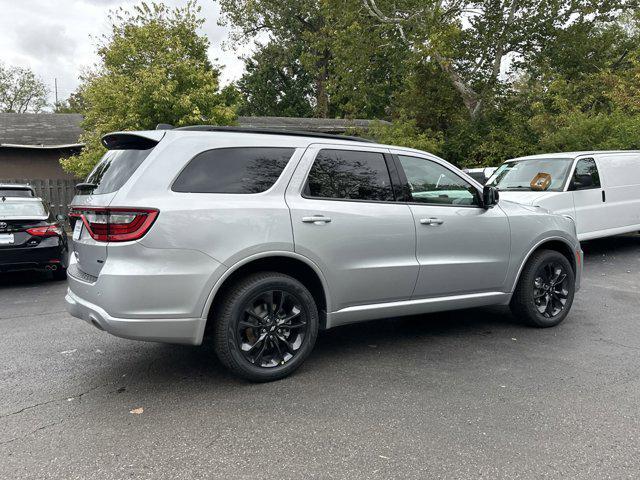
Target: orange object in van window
x=541 y=181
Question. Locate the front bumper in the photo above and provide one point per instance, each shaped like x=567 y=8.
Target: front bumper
x=187 y=331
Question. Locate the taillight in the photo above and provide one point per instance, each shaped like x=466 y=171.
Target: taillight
x=46 y=231
x=115 y=224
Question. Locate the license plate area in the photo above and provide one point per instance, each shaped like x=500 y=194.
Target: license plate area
x=77 y=229
x=6 y=239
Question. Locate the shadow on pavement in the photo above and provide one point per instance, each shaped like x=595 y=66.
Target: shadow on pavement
x=620 y=244
x=25 y=278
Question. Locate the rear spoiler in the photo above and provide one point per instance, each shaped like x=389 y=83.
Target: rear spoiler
x=132 y=140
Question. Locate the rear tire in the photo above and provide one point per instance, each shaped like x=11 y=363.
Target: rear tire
x=544 y=294
x=265 y=326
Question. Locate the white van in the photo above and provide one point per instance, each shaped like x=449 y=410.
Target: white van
x=599 y=190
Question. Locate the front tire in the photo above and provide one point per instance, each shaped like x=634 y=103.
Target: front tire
x=545 y=291
x=266 y=326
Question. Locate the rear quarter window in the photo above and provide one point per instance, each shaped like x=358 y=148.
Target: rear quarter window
x=115 y=168
x=233 y=170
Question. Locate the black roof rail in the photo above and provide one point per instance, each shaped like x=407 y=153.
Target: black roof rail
x=272 y=131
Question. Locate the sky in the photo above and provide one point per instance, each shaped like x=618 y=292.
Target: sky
x=57 y=38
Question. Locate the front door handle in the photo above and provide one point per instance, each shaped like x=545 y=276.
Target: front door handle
x=316 y=219
x=431 y=221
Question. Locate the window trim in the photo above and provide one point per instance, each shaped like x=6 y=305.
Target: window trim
x=407 y=189
x=391 y=171
x=573 y=171
x=188 y=162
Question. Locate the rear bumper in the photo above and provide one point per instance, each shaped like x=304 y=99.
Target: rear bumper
x=142 y=293
x=187 y=331
x=20 y=258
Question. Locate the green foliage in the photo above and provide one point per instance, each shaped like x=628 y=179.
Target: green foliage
x=21 y=91
x=405 y=133
x=153 y=69
x=73 y=104
x=323 y=58
x=276 y=83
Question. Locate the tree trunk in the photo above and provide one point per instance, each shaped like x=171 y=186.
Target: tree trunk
x=322 y=97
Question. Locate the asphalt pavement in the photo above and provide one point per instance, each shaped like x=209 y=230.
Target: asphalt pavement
x=468 y=394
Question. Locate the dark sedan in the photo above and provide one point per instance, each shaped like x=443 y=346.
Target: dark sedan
x=30 y=238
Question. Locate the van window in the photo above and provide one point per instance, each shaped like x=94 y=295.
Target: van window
x=430 y=182
x=586 y=175
x=115 y=168
x=519 y=174
x=349 y=175
x=233 y=170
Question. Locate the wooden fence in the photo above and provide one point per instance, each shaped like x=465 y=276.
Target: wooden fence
x=57 y=192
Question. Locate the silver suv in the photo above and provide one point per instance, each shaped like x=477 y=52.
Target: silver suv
x=259 y=239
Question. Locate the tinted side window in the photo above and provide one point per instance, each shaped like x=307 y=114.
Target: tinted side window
x=350 y=175
x=233 y=170
x=586 y=175
x=430 y=182
x=115 y=168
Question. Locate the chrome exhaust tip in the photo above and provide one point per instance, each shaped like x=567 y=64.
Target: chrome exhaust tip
x=47 y=267
x=53 y=268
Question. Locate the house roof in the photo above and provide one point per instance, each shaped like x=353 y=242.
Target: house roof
x=62 y=130
x=40 y=130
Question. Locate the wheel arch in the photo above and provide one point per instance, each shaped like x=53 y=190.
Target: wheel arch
x=558 y=244
x=288 y=263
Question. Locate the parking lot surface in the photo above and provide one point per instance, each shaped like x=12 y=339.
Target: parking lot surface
x=468 y=394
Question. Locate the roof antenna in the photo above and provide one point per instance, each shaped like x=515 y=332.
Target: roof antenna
x=164 y=126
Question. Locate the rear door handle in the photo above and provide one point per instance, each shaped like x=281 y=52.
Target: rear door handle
x=431 y=221
x=317 y=219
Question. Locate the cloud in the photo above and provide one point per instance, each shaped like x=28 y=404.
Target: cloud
x=46 y=41
x=57 y=39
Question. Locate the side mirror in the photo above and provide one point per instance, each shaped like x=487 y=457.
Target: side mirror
x=61 y=218
x=490 y=196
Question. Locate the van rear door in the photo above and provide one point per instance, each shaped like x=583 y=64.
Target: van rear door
x=126 y=153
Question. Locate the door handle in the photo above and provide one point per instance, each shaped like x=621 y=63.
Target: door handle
x=431 y=221
x=316 y=219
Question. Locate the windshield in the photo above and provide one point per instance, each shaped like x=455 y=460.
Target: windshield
x=22 y=209
x=548 y=174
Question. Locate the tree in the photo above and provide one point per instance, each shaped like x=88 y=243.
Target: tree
x=276 y=83
x=328 y=54
x=472 y=42
x=73 y=104
x=153 y=69
x=21 y=91
x=293 y=23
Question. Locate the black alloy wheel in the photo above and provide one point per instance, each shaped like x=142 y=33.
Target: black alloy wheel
x=272 y=328
x=265 y=326
x=545 y=290
x=550 y=289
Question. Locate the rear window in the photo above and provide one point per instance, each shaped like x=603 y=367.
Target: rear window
x=22 y=209
x=233 y=170
x=15 y=192
x=115 y=168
